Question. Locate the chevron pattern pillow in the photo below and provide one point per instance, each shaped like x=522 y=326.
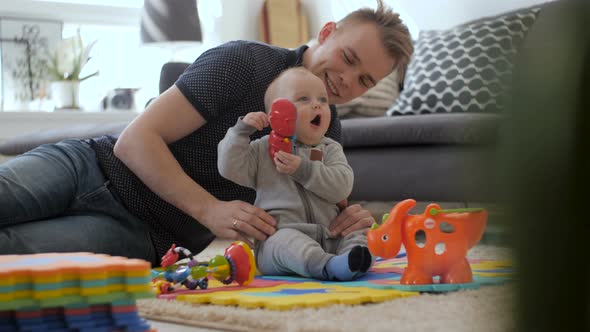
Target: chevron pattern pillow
x=464 y=69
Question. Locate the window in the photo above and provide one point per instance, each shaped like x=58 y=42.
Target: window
x=122 y=62
x=119 y=56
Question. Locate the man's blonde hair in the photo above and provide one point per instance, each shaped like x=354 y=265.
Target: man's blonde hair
x=395 y=35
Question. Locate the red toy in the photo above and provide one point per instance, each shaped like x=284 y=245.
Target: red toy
x=436 y=241
x=282 y=117
x=237 y=264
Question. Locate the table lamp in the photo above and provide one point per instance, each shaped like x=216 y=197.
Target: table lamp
x=171 y=24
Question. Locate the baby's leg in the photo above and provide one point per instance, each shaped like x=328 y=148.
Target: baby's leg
x=290 y=251
x=354 y=258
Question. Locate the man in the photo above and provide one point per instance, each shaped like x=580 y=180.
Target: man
x=162 y=169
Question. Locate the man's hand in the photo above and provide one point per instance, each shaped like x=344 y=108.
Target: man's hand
x=353 y=218
x=258 y=120
x=287 y=163
x=239 y=220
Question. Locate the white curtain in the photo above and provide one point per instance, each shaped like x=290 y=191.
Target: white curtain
x=122 y=62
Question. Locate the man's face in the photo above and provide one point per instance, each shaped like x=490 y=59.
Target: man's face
x=307 y=93
x=349 y=60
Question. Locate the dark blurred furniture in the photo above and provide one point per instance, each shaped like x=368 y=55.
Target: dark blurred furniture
x=545 y=171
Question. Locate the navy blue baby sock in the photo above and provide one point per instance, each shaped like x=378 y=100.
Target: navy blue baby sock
x=350 y=265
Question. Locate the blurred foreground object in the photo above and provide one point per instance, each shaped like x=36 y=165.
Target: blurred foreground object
x=545 y=169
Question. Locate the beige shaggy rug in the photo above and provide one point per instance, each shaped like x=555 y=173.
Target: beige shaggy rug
x=489 y=308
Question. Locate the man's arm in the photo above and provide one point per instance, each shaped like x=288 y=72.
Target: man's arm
x=143 y=147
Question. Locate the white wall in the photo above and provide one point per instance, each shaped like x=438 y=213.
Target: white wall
x=419 y=14
x=225 y=20
x=74 y=13
x=422 y=14
x=322 y=11
x=444 y=14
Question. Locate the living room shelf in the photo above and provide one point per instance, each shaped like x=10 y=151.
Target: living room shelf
x=16 y=123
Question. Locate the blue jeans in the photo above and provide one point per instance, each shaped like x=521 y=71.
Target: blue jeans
x=55 y=198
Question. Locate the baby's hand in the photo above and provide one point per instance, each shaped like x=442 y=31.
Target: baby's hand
x=258 y=120
x=287 y=163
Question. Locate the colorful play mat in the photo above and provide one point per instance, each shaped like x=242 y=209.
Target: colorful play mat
x=380 y=284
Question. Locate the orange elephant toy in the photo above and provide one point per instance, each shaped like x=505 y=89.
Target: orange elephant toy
x=436 y=241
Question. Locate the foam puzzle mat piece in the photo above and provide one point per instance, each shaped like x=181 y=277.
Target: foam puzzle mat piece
x=485 y=272
x=380 y=284
x=65 y=300
x=57 y=279
x=77 y=317
x=217 y=286
x=288 y=296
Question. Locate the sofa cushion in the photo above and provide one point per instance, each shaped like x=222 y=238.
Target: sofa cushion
x=169 y=73
x=449 y=128
x=435 y=173
x=455 y=128
x=464 y=69
x=23 y=143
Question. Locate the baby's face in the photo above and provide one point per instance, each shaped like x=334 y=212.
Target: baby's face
x=308 y=94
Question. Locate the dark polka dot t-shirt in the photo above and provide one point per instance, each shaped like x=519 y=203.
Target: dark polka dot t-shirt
x=222 y=84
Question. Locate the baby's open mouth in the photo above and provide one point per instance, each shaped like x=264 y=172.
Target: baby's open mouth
x=317 y=120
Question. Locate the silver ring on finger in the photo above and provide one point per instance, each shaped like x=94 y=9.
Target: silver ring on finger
x=235 y=224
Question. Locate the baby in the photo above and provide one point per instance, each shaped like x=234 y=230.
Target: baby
x=300 y=193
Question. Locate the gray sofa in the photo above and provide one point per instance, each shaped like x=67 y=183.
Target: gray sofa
x=430 y=157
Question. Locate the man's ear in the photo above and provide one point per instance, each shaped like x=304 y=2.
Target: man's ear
x=326 y=31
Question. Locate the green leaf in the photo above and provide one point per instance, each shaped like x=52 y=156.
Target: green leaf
x=89 y=76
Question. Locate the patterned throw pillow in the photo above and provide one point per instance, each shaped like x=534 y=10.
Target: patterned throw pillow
x=464 y=69
x=375 y=102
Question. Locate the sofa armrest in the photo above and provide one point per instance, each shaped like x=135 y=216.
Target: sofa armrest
x=23 y=143
x=447 y=128
x=170 y=72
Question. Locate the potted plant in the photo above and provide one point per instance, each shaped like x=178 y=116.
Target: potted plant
x=64 y=69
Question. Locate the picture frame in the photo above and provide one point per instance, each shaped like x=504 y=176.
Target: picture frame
x=25 y=49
